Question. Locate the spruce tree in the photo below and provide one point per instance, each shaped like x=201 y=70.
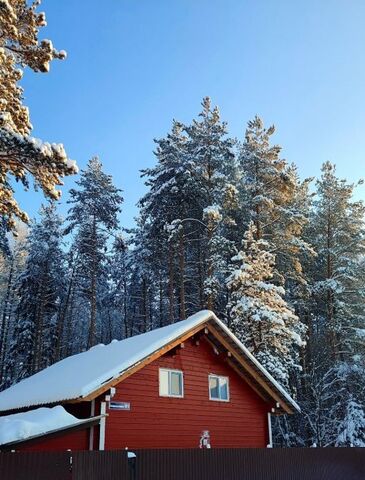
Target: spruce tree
x=39 y=289
x=93 y=217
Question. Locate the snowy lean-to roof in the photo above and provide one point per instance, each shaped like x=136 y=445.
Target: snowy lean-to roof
x=22 y=426
x=80 y=375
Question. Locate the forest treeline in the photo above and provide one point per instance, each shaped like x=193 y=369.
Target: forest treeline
x=226 y=225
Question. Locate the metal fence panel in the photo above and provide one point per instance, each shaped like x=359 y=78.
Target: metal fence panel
x=108 y=465
x=195 y=464
x=252 y=464
x=35 y=466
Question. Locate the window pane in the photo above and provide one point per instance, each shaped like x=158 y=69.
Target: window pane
x=214 y=387
x=223 y=388
x=176 y=383
x=164 y=382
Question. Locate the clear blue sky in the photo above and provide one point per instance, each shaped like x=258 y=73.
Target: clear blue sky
x=134 y=65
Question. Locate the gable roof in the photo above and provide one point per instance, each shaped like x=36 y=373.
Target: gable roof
x=88 y=374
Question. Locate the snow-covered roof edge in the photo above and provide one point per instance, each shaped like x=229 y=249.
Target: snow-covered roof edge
x=72 y=426
x=124 y=355
x=204 y=316
x=182 y=328
x=256 y=363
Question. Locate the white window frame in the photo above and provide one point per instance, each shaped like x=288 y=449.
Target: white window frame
x=171 y=370
x=214 y=375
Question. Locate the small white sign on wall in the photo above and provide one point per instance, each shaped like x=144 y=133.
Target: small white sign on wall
x=119 y=405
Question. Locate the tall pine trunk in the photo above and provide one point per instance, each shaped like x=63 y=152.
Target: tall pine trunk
x=160 y=301
x=125 y=306
x=5 y=320
x=62 y=317
x=258 y=234
x=182 y=275
x=69 y=323
x=94 y=268
x=171 y=284
x=145 y=302
x=200 y=274
x=330 y=296
x=210 y=271
x=39 y=324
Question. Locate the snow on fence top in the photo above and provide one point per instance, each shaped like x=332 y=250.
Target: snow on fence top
x=21 y=426
x=80 y=375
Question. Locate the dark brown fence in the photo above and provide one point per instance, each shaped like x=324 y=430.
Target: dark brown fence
x=100 y=465
x=215 y=464
x=35 y=466
x=252 y=464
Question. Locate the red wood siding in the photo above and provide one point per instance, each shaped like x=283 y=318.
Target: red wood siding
x=77 y=440
x=160 y=422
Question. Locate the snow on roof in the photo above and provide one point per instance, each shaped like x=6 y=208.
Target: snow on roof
x=80 y=375
x=22 y=426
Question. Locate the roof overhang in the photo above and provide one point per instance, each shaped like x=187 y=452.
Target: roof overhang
x=227 y=345
x=246 y=365
x=235 y=354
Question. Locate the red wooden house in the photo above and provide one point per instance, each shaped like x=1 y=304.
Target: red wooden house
x=186 y=385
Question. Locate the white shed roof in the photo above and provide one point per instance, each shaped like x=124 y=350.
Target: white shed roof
x=34 y=423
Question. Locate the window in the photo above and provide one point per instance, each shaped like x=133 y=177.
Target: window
x=218 y=388
x=171 y=383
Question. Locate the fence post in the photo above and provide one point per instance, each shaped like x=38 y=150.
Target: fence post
x=132 y=460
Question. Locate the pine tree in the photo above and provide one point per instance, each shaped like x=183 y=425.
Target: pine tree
x=120 y=267
x=93 y=217
x=64 y=340
x=12 y=265
x=187 y=212
x=22 y=155
x=259 y=315
x=145 y=295
x=162 y=209
x=274 y=199
x=39 y=289
x=4 y=240
x=337 y=231
x=210 y=153
x=333 y=381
